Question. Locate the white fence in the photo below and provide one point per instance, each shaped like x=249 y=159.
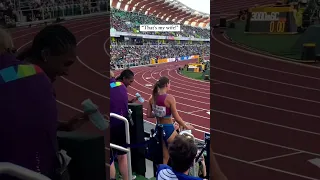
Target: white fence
x=120 y=148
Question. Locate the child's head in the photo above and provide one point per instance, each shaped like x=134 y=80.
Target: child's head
x=182 y=152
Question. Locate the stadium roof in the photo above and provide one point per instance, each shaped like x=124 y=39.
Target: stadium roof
x=170 y=10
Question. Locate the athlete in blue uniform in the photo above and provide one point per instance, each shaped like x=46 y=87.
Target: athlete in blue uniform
x=162 y=106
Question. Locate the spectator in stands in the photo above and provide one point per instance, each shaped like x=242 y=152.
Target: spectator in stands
x=119 y=105
x=162 y=106
x=182 y=151
x=29 y=121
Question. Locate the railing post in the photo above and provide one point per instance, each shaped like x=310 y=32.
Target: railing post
x=126 y=123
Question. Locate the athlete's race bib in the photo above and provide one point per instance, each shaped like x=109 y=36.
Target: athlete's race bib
x=159 y=111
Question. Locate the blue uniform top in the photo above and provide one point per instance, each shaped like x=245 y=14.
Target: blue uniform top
x=165 y=172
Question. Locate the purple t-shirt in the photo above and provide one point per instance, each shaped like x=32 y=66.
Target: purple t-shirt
x=118 y=102
x=28 y=117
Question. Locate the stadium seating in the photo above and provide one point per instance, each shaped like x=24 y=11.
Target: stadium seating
x=137 y=55
x=32 y=10
x=130 y=21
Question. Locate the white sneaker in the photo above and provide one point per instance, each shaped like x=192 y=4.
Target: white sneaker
x=133 y=177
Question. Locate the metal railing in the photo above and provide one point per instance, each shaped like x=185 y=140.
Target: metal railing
x=68 y=10
x=120 y=148
x=20 y=172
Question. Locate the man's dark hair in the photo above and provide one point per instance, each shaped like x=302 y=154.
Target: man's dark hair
x=56 y=38
x=182 y=152
x=127 y=73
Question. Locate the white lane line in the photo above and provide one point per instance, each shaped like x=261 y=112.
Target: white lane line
x=266 y=92
x=264 y=79
x=264 y=142
x=196 y=111
x=266 y=106
x=276 y=157
x=266 y=167
x=315 y=161
x=265 y=122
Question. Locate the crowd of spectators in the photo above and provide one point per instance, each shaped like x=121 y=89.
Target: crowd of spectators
x=7 y=12
x=34 y=10
x=124 y=21
x=126 y=54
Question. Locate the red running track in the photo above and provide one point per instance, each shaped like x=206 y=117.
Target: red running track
x=192 y=96
x=265 y=115
x=85 y=80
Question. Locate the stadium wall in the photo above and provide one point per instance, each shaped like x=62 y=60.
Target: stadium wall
x=166 y=60
x=114 y=33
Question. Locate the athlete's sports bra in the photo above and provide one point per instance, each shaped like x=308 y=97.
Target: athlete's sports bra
x=159 y=109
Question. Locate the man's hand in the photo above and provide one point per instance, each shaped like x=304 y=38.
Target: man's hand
x=76 y=121
x=134 y=99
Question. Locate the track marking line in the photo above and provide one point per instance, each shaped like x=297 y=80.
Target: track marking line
x=276 y=157
x=205 y=96
x=208 y=112
x=189 y=81
x=265 y=122
x=261 y=67
x=315 y=161
x=203 y=83
x=266 y=92
x=264 y=79
x=265 y=167
x=266 y=106
x=188 y=84
x=196 y=111
x=176 y=96
x=264 y=142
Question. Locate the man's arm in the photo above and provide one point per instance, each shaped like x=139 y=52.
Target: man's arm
x=75 y=122
x=133 y=100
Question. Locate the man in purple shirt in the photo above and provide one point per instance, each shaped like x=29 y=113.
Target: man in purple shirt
x=119 y=105
x=29 y=116
x=28 y=122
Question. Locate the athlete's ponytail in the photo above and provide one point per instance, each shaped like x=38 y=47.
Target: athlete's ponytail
x=161 y=83
x=155 y=91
